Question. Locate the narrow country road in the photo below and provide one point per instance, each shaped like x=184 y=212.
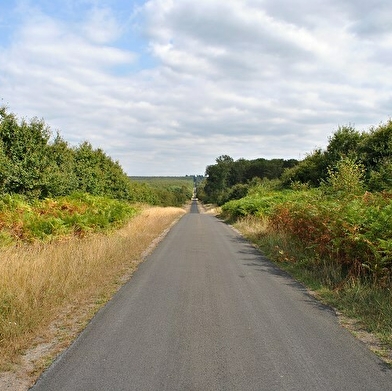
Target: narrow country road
x=206 y=311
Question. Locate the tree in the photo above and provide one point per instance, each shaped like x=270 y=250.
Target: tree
x=312 y=170
x=62 y=179
x=24 y=147
x=345 y=142
x=98 y=174
x=376 y=146
x=32 y=166
x=217 y=181
x=345 y=178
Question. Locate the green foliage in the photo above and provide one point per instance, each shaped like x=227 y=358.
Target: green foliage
x=167 y=191
x=24 y=147
x=345 y=179
x=345 y=142
x=61 y=174
x=228 y=179
x=258 y=203
x=238 y=191
x=352 y=232
x=22 y=220
x=36 y=167
x=381 y=178
x=142 y=192
x=372 y=150
x=312 y=170
x=376 y=146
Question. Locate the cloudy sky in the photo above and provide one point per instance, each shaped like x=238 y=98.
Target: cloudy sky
x=166 y=86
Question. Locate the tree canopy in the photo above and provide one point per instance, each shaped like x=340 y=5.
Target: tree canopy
x=34 y=165
x=347 y=147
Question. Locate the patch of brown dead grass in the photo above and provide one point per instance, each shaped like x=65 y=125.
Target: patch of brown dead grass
x=252 y=227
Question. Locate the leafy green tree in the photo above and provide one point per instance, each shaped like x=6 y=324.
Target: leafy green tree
x=312 y=170
x=238 y=172
x=224 y=178
x=98 y=174
x=218 y=179
x=257 y=168
x=62 y=179
x=5 y=169
x=87 y=169
x=31 y=165
x=24 y=147
x=376 y=146
x=345 y=142
x=381 y=178
x=237 y=191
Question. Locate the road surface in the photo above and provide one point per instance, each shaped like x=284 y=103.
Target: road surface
x=206 y=311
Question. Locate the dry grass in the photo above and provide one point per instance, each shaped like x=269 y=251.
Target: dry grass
x=48 y=288
x=252 y=227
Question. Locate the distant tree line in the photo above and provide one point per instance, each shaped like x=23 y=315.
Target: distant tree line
x=167 y=191
x=370 y=151
x=229 y=179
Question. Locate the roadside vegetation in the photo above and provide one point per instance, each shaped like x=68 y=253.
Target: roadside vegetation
x=36 y=164
x=327 y=220
x=27 y=221
x=168 y=191
x=48 y=291
x=73 y=228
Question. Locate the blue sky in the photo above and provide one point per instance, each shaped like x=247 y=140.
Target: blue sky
x=166 y=86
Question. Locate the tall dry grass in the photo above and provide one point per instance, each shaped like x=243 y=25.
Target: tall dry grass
x=46 y=283
x=252 y=227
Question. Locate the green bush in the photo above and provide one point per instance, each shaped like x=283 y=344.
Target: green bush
x=351 y=232
x=253 y=204
x=78 y=214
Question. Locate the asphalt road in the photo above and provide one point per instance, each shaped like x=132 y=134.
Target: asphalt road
x=206 y=311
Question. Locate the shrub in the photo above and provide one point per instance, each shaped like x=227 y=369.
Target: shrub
x=79 y=214
x=345 y=178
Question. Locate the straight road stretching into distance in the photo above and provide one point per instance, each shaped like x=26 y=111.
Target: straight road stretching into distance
x=206 y=311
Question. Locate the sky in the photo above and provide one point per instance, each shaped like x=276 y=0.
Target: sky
x=165 y=87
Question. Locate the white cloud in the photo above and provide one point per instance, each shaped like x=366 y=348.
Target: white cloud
x=101 y=26
x=247 y=78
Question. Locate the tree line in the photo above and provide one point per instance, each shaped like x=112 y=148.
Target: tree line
x=229 y=179
x=36 y=166
x=369 y=152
